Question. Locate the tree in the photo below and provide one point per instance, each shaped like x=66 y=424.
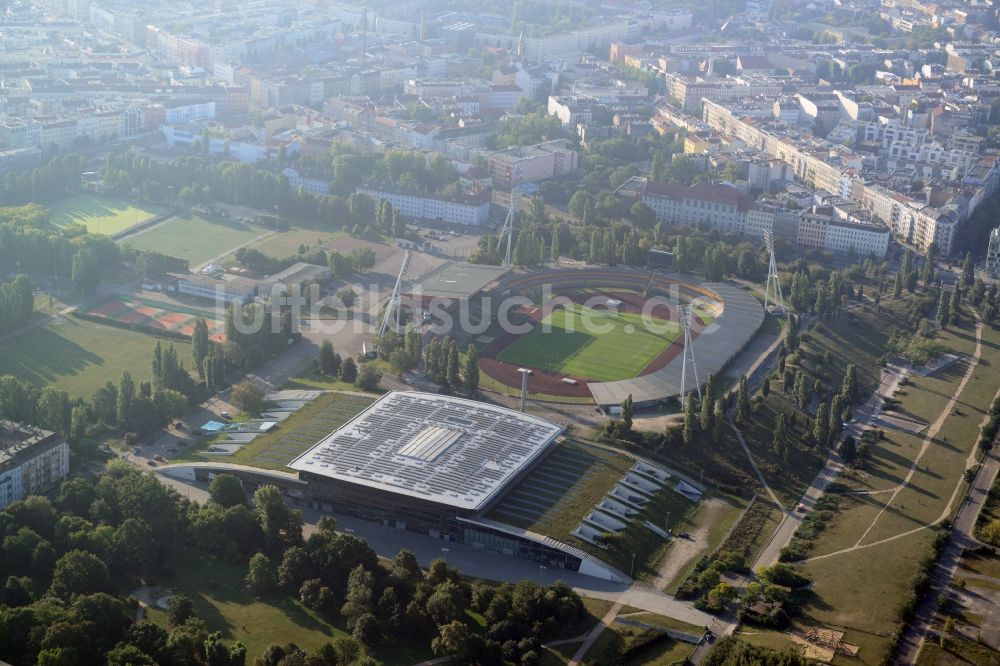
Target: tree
x=944 y=308
x=200 y=344
x=347 y=296
x=248 y=397
x=447 y=603
x=366 y=630
x=471 y=373
x=180 y=609
x=358 y=600
x=849 y=388
x=707 y=406
x=278 y=522
x=690 y=420
x=261 y=578
x=79 y=572
x=348 y=370
x=368 y=378
x=453 y=640
x=742 y=402
x=821 y=426
x=627 y=412
x=778 y=438
x=325 y=360
x=126 y=399
x=226 y=490
x=849 y=450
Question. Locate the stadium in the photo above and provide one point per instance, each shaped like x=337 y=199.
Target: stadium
x=491 y=478
x=637 y=348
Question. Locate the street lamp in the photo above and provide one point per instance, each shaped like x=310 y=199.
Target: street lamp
x=631 y=570
x=541 y=568
x=445 y=552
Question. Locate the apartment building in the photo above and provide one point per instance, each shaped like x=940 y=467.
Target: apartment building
x=32 y=461
x=993 y=253
x=468 y=210
x=720 y=206
x=517 y=165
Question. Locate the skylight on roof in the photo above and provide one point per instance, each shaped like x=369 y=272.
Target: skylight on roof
x=430 y=443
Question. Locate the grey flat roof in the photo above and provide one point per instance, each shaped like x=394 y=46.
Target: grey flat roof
x=741 y=316
x=437 y=448
x=456 y=280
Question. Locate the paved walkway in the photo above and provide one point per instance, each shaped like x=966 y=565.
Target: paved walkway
x=595 y=633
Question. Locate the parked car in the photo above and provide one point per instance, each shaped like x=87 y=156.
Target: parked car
x=225 y=415
x=159 y=458
x=151 y=463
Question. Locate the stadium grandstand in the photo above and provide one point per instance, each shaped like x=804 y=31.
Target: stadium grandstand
x=435 y=464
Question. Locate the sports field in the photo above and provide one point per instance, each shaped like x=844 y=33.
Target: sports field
x=196 y=238
x=620 y=347
x=158 y=316
x=78 y=356
x=101 y=214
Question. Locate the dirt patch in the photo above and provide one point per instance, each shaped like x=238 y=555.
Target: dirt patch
x=684 y=551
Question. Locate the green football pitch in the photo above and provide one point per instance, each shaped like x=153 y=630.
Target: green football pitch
x=589 y=343
x=100 y=214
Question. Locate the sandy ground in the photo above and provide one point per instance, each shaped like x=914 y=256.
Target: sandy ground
x=683 y=551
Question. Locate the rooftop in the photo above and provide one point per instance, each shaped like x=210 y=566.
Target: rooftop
x=18 y=442
x=456 y=280
x=440 y=449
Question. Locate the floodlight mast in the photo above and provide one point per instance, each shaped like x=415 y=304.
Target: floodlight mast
x=508 y=228
x=392 y=307
x=773 y=281
x=685 y=317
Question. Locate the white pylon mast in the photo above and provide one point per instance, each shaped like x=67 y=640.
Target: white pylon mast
x=685 y=317
x=392 y=307
x=773 y=282
x=508 y=228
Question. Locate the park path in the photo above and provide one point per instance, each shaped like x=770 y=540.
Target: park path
x=595 y=633
x=928 y=439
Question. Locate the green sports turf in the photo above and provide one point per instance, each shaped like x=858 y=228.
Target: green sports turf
x=100 y=214
x=78 y=356
x=620 y=352
x=195 y=238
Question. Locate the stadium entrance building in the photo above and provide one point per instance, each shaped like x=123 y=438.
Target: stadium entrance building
x=435 y=465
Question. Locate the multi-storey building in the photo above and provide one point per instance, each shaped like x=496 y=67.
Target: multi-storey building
x=473 y=209
x=32 y=461
x=514 y=166
x=993 y=253
x=720 y=206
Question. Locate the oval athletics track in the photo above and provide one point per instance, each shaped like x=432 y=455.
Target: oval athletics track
x=550 y=382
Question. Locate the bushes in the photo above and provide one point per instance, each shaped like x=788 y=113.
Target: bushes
x=812 y=526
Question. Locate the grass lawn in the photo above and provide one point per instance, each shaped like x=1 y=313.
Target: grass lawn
x=311 y=379
x=565 y=487
x=197 y=239
x=859 y=592
x=617 y=348
x=221 y=599
x=286 y=243
x=101 y=214
x=619 y=637
x=957 y=651
x=78 y=356
x=275 y=449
